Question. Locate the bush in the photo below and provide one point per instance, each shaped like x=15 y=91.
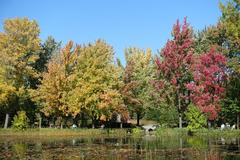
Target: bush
x=196 y=120
x=136 y=131
x=20 y=121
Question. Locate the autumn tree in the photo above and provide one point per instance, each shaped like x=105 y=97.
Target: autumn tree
x=95 y=82
x=173 y=66
x=224 y=36
x=52 y=93
x=19 y=46
x=207 y=86
x=136 y=78
x=19 y=49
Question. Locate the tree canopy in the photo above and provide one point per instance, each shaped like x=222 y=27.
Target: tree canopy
x=193 y=78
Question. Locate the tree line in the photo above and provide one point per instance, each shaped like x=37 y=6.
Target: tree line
x=194 y=79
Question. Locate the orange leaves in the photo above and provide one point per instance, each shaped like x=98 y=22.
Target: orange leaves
x=69 y=53
x=55 y=84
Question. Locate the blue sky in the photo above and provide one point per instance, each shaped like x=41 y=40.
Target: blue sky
x=122 y=23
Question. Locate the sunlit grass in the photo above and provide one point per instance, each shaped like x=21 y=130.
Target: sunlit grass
x=63 y=132
x=197 y=133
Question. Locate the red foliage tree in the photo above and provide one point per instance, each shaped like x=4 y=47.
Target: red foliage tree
x=207 y=87
x=174 y=63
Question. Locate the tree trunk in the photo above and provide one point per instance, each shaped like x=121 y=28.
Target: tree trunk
x=93 y=126
x=180 y=120
x=82 y=120
x=179 y=110
x=138 y=119
x=209 y=124
x=40 y=122
x=6 y=120
x=61 y=125
x=238 y=117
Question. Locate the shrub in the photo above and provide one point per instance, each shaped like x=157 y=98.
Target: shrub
x=20 y=121
x=136 y=131
x=196 y=120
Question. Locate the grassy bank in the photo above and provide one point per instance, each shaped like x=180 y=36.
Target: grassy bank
x=218 y=133
x=84 y=132
x=50 y=132
x=197 y=133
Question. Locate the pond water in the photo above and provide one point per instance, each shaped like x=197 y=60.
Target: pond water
x=146 y=147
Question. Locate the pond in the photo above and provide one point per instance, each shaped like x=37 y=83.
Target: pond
x=109 y=148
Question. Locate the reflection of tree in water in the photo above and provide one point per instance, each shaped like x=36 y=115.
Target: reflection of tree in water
x=197 y=142
x=20 y=149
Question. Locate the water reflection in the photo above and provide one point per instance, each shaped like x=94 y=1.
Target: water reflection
x=20 y=149
x=146 y=147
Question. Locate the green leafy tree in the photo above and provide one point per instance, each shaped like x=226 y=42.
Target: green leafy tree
x=163 y=114
x=231 y=20
x=211 y=37
x=161 y=107
x=49 y=48
x=231 y=104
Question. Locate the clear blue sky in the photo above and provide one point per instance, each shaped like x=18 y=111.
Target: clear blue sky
x=122 y=23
